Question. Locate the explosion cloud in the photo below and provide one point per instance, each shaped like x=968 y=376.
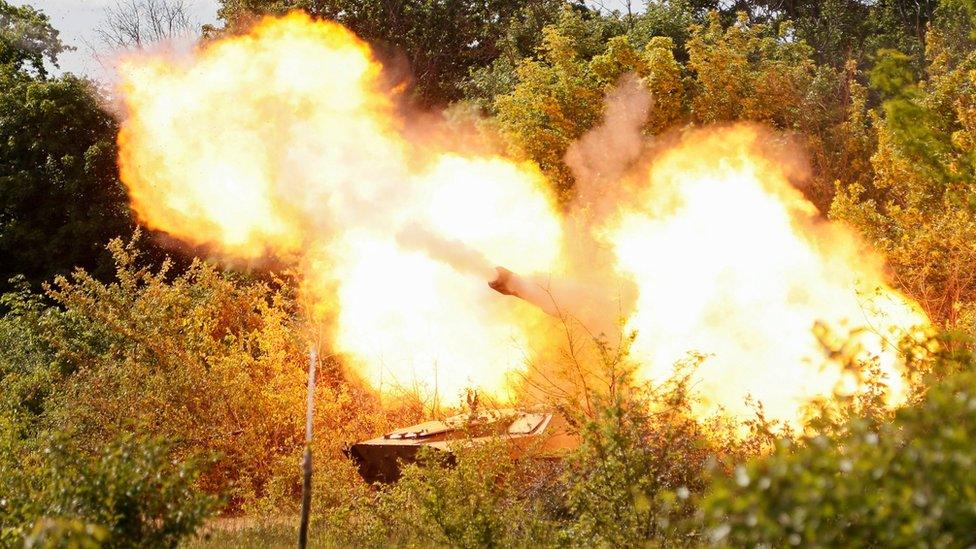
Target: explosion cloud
x=286 y=142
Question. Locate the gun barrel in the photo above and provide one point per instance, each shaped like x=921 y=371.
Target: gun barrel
x=505 y=282
x=509 y=283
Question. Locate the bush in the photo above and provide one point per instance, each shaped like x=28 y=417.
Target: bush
x=640 y=460
x=907 y=482
x=75 y=534
x=203 y=359
x=475 y=497
x=127 y=493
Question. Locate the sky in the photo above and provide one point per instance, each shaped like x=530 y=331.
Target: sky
x=78 y=19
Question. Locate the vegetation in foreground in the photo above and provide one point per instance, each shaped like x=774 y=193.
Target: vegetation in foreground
x=142 y=398
x=86 y=380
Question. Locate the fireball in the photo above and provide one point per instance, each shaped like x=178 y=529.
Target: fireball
x=732 y=262
x=286 y=142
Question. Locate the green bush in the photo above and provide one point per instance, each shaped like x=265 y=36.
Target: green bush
x=207 y=360
x=127 y=493
x=905 y=482
x=641 y=459
x=70 y=533
x=475 y=497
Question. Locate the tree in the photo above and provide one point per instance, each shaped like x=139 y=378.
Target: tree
x=139 y=22
x=27 y=39
x=702 y=73
x=745 y=72
x=920 y=206
x=60 y=196
x=839 y=30
x=844 y=30
x=558 y=95
x=442 y=40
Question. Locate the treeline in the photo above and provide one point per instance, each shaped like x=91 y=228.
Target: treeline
x=139 y=396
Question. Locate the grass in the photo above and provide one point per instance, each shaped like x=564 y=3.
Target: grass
x=249 y=532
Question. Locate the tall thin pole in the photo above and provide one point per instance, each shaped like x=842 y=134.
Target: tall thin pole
x=307 y=460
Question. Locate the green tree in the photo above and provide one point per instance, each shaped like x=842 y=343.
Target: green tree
x=27 y=39
x=591 y=30
x=60 y=196
x=853 y=30
x=838 y=30
x=442 y=41
x=746 y=72
x=919 y=207
x=559 y=95
x=707 y=73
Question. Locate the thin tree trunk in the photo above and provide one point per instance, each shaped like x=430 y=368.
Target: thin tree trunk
x=307 y=460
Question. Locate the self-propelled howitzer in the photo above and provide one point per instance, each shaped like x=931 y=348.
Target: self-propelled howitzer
x=534 y=435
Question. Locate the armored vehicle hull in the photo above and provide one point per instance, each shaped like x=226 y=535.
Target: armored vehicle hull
x=525 y=434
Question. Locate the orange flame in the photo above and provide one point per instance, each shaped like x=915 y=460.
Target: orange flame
x=731 y=261
x=285 y=142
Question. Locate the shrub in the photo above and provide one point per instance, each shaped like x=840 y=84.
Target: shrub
x=126 y=493
x=640 y=460
x=907 y=482
x=474 y=497
x=203 y=359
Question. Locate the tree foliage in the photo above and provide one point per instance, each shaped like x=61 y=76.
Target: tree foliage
x=60 y=196
x=442 y=40
x=919 y=207
x=27 y=39
x=699 y=73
